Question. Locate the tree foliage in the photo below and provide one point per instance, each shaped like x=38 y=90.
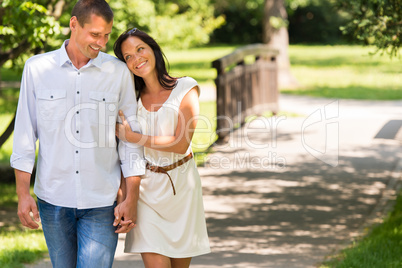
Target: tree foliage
x=27 y=27
x=179 y=24
x=243 y=21
x=375 y=22
x=315 y=21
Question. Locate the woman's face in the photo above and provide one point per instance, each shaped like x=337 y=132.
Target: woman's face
x=139 y=57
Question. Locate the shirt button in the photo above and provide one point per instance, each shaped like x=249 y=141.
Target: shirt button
x=78 y=92
x=78 y=112
x=103 y=99
x=78 y=131
x=77 y=172
x=79 y=73
x=76 y=152
x=51 y=97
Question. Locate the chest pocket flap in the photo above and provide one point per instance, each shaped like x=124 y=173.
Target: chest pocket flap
x=51 y=94
x=103 y=96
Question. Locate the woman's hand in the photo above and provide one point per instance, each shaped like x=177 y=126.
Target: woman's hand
x=121 y=212
x=123 y=130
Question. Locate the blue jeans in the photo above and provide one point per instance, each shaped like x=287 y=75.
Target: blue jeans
x=79 y=238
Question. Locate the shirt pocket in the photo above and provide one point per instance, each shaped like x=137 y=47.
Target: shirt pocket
x=52 y=104
x=106 y=107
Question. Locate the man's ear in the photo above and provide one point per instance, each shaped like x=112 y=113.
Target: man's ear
x=73 y=23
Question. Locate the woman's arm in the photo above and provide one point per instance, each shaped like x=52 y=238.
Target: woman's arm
x=121 y=193
x=179 y=143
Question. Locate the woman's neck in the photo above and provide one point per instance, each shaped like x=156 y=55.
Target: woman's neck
x=152 y=86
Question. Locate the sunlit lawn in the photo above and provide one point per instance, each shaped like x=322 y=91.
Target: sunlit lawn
x=197 y=62
x=345 y=72
x=18 y=244
x=19 y=247
x=322 y=71
x=381 y=248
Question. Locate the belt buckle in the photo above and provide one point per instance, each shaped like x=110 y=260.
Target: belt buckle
x=153 y=168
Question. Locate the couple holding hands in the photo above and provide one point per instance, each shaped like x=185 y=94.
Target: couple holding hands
x=91 y=186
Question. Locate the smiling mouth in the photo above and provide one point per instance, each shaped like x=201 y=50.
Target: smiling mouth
x=96 y=49
x=142 y=64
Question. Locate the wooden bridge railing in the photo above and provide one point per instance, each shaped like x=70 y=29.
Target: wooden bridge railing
x=245 y=89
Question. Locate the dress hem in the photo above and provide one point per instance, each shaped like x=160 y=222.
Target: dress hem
x=188 y=255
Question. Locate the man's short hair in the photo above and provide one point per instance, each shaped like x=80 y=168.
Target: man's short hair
x=83 y=10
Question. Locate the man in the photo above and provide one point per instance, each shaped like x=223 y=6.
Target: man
x=69 y=100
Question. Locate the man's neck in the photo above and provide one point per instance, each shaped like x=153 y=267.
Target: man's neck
x=75 y=56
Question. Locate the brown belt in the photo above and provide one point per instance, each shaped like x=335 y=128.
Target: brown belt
x=165 y=169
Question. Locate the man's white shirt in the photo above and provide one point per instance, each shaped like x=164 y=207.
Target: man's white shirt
x=73 y=114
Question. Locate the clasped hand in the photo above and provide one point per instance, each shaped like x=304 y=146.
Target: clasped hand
x=124 y=218
x=123 y=129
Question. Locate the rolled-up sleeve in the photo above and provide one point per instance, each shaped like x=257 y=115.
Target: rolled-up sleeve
x=131 y=155
x=25 y=129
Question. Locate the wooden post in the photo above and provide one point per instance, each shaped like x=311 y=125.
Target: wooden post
x=246 y=88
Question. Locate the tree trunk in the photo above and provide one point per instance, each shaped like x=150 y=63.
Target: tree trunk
x=7 y=133
x=279 y=39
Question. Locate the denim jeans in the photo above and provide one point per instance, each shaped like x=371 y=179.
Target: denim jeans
x=81 y=238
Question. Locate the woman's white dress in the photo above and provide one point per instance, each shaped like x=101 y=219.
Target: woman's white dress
x=167 y=224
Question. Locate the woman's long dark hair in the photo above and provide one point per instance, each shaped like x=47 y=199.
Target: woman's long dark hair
x=166 y=81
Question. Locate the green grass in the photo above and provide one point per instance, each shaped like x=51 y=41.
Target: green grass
x=20 y=247
x=340 y=71
x=382 y=247
x=197 y=62
x=8 y=197
x=345 y=72
x=204 y=134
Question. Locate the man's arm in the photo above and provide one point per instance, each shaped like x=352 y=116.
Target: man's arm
x=131 y=157
x=24 y=147
x=26 y=203
x=131 y=154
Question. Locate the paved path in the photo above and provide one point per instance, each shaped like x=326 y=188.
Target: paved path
x=287 y=192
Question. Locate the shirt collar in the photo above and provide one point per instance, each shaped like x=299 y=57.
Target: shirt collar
x=65 y=59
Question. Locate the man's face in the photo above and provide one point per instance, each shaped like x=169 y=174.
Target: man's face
x=93 y=36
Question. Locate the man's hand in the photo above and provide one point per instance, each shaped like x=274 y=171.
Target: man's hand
x=125 y=216
x=126 y=212
x=26 y=203
x=26 y=206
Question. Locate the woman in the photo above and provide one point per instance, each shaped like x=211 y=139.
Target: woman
x=170 y=224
